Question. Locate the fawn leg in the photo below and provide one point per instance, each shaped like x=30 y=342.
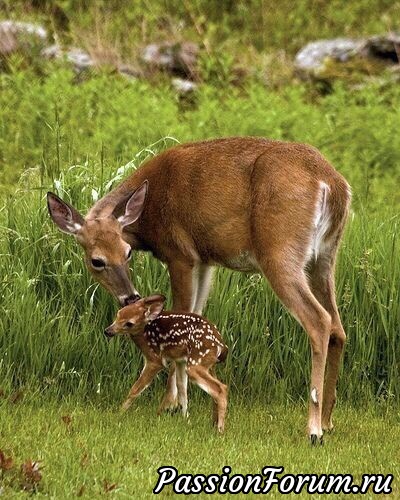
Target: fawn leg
x=150 y=370
x=216 y=389
x=181 y=377
x=169 y=401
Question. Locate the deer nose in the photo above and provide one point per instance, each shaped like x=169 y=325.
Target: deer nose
x=131 y=299
x=108 y=333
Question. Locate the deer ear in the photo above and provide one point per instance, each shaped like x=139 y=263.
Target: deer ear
x=134 y=206
x=64 y=216
x=154 y=306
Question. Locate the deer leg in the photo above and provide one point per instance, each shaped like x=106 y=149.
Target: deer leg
x=216 y=389
x=290 y=285
x=169 y=401
x=182 y=387
x=181 y=276
x=150 y=370
x=322 y=283
x=204 y=280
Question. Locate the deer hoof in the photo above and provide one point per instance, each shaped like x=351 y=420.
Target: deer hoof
x=315 y=440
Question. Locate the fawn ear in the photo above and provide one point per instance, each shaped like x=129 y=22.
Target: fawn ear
x=154 y=306
x=134 y=206
x=64 y=215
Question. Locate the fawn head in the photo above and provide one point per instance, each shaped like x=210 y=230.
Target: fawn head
x=132 y=319
x=107 y=254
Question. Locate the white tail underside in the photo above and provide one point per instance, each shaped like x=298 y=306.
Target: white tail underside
x=321 y=220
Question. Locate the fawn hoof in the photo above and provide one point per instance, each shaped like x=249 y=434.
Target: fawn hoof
x=173 y=410
x=169 y=410
x=315 y=440
x=125 y=406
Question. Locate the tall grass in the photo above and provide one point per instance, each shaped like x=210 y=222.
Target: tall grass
x=52 y=315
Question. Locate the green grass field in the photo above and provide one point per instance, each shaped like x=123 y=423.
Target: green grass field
x=98 y=447
x=79 y=136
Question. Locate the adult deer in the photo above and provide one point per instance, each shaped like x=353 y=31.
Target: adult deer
x=249 y=204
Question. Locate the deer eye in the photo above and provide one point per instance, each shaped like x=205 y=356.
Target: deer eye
x=98 y=264
x=129 y=255
x=128 y=324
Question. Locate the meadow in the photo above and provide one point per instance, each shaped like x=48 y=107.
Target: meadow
x=61 y=382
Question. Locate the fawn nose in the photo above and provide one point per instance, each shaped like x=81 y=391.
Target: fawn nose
x=131 y=299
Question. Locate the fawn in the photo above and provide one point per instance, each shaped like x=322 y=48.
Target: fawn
x=194 y=344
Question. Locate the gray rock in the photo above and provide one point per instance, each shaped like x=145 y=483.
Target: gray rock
x=386 y=47
x=310 y=61
x=52 y=52
x=18 y=36
x=183 y=87
x=177 y=58
x=79 y=59
x=311 y=58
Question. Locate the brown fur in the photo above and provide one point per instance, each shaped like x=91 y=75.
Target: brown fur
x=191 y=341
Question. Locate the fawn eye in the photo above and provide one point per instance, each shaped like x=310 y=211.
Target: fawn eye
x=129 y=254
x=98 y=264
x=128 y=324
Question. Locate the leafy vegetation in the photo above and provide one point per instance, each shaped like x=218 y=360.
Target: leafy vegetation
x=51 y=123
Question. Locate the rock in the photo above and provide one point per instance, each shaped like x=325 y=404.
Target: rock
x=312 y=60
x=52 y=52
x=80 y=59
x=183 y=87
x=17 y=36
x=177 y=58
x=385 y=47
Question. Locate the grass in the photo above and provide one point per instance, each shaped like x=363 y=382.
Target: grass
x=96 y=447
x=53 y=315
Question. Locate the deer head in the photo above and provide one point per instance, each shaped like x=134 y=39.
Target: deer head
x=132 y=319
x=107 y=254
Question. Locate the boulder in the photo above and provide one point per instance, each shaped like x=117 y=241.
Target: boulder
x=178 y=58
x=310 y=60
x=313 y=59
x=17 y=36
